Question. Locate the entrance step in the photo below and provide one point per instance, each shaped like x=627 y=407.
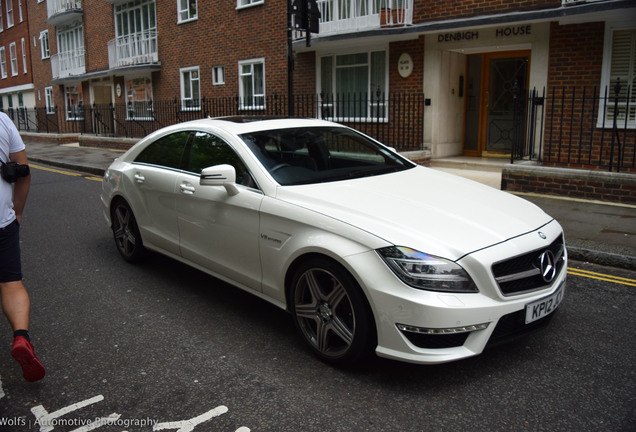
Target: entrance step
x=471 y=163
x=482 y=170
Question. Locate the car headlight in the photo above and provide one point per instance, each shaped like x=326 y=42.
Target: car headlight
x=427 y=272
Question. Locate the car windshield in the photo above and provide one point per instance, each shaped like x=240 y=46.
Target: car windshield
x=298 y=156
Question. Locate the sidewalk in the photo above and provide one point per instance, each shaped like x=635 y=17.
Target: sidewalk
x=598 y=232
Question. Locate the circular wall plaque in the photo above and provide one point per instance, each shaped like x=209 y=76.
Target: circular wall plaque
x=405 y=65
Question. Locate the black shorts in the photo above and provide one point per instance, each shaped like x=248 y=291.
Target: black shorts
x=10 y=263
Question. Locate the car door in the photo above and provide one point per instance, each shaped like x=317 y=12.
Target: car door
x=217 y=230
x=154 y=177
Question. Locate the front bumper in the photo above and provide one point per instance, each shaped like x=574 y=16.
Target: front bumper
x=428 y=327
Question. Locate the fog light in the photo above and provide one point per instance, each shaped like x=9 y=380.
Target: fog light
x=442 y=331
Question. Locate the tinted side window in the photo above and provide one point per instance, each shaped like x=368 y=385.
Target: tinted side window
x=208 y=150
x=166 y=151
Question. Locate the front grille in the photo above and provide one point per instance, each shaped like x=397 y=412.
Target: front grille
x=526 y=272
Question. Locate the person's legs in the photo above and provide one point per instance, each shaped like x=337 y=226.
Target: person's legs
x=15 y=304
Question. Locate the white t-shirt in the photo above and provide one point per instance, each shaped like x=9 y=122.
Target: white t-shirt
x=10 y=142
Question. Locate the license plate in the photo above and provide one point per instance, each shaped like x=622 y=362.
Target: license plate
x=544 y=307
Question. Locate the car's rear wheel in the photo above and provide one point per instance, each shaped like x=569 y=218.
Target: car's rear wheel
x=331 y=312
x=126 y=232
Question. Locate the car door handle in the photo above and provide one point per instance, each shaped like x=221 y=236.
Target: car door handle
x=187 y=189
x=139 y=178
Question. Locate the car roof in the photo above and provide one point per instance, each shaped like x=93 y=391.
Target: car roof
x=246 y=124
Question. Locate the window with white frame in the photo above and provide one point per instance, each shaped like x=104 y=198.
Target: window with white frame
x=24 y=56
x=620 y=67
x=20 y=18
x=48 y=100
x=9 y=4
x=13 y=55
x=252 y=84
x=136 y=28
x=74 y=103
x=3 y=62
x=187 y=10
x=244 y=3
x=218 y=75
x=45 y=49
x=1 y=14
x=190 y=88
x=354 y=85
x=139 y=98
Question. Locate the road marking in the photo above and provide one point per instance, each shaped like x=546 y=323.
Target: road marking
x=601 y=276
x=189 y=425
x=69 y=173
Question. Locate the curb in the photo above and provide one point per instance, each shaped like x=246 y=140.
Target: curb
x=70 y=166
x=602 y=258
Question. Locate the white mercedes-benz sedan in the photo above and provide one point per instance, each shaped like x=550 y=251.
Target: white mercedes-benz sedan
x=368 y=251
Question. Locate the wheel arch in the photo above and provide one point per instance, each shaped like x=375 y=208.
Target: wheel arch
x=302 y=259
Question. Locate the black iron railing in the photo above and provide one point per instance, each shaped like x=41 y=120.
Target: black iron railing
x=577 y=127
x=395 y=119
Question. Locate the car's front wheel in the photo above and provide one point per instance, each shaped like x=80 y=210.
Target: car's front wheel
x=126 y=232
x=331 y=312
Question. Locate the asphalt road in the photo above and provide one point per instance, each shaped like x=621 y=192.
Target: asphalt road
x=160 y=346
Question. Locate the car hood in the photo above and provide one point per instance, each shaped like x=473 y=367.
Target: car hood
x=431 y=211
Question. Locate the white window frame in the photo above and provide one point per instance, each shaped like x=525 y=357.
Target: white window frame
x=24 y=56
x=188 y=101
x=48 y=100
x=218 y=75
x=3 y=62
x=75 y=112
x=10 y=22
x=183 y=11
x=373 y=105
x=45 y=47
x=1 y=19
x=248 y=3
x=13 y=57
x=244 y=103
x=20 y=11
x=136 y=108
x=606 y=108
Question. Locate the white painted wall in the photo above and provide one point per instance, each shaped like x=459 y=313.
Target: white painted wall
x=444 y=62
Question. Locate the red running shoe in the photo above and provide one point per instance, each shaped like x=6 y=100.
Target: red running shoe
x=22 y=352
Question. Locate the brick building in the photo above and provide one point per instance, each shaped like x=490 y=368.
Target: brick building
x=16 y=78
x=441 y=78
x=475 y=59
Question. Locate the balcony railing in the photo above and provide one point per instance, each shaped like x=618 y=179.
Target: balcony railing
x=345 y=16
x=63 y=11
x=66 y=64
x=133 y=49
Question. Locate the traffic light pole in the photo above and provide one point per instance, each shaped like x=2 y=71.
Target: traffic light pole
x=290 y=63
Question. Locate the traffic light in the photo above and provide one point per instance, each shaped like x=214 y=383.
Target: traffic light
x=306 y=15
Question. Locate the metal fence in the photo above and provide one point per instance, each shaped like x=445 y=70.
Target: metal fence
x=578 y=128
x=394 y=119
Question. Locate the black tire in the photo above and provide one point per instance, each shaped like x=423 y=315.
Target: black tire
x=331 y=312
x=126 y=232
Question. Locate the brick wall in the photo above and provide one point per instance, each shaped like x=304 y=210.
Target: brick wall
x=432 y=10
x=98 y=23
x=572 y=137
x=220 y=37
x=573 y=183
x=15 y=35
